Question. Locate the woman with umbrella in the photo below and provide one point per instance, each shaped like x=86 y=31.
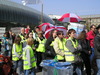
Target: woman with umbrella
x=50 y=53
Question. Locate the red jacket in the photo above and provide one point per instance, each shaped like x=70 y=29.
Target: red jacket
x=90 y=37
x=27 y=30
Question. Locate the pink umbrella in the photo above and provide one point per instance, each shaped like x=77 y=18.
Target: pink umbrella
x=59 y=28
x=45 y=26
x=70 y=17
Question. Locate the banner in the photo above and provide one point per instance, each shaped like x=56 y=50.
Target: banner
x=2 y=31
x=77 y=27
x=16 y=30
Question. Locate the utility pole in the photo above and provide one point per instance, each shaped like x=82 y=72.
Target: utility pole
x=41 y=19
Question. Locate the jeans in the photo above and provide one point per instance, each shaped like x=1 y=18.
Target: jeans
x=93 y=62
x=18 y=66
x=92 y=55
x=30 y=72
x=78 y=71
x=98 y=65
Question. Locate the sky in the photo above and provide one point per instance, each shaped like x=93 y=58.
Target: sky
x=60 y=7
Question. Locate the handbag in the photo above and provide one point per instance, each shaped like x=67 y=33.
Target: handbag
x=51 y=52
x=78 y=59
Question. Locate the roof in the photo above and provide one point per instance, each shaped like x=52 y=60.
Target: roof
x=15 y=12
x=90 y=16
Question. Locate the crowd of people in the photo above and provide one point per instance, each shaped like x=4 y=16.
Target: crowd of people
x=29 y=48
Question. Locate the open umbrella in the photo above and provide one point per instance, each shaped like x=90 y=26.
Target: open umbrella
x=59 y=28
x=70 y=17
x=45 y=26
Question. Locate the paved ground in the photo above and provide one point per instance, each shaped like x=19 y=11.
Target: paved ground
x=39 y=73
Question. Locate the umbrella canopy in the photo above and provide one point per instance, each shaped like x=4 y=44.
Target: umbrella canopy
x=45 y=26
x=59 y=28
x=70 y=17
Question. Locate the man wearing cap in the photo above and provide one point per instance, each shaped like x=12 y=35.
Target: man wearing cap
x=97 y=49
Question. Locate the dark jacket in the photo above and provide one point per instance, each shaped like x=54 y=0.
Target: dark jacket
x=97 y=46
x=85 y=46
x=49 y=49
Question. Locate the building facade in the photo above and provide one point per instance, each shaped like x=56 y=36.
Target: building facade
x=91 y=19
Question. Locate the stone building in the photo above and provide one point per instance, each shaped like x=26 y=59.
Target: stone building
x=91 y=19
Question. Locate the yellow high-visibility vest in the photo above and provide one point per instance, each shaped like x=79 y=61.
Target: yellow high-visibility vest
x=26 y=65
x=22 y=37
x=69 y=56
x=41 y=47
x=61 y=47
x=18 y=50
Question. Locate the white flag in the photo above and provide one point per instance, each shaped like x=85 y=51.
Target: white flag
x=24 y=2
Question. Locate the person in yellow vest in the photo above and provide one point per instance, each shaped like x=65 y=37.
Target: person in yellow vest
x=17 y=55
x=22 y=34
x=35 y=31
x=58 y=45
x=25 y=40
x=29 y=61
x=72 y=51
x=30 y=35
x=40 y=54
